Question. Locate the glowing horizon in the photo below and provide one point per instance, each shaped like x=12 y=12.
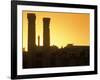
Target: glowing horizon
x=65 y=28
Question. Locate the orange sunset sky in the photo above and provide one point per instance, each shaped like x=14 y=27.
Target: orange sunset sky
x=65 y=28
